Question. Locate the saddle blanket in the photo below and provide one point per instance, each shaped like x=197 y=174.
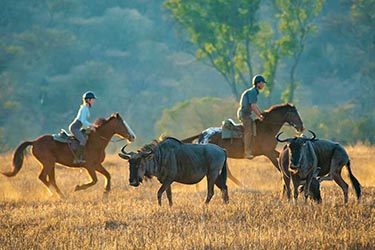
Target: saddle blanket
x=206 y=134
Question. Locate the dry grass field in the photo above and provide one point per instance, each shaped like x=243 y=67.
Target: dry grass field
x=257 y=217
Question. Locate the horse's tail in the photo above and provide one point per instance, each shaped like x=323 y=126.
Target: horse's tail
x=355 y=182
x=18 y=158
x=190 y=139
x=234 y=179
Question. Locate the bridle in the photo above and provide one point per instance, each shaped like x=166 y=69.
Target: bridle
x=287 y=116
x=110 y=139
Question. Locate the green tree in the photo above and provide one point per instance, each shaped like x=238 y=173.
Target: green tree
x=223 y=32
x=296 y=23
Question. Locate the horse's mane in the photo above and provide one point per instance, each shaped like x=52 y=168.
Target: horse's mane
x=278 y=106
x=100 y=121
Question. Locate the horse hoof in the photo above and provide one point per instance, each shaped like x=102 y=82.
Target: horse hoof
x=77 y=188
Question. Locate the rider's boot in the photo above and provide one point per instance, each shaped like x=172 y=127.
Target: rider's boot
x=247 y=144
x=79 y=159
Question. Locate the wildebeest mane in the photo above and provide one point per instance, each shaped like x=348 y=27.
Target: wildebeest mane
x=151 y=146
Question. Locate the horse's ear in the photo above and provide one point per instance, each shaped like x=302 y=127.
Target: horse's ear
x=116 y=115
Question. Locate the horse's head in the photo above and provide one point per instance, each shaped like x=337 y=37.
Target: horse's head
x=122 y=129
x=283 y=113
x=293 y=118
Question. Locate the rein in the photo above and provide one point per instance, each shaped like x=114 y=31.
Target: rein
x=110 y=139
x=106 y=139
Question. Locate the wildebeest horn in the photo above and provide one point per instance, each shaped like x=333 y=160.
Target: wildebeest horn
x=123 y=149
x=125 y=155
x=282 y=140
x=313 y=135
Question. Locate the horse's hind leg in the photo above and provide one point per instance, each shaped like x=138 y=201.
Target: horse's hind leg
x=43 y=177
x=94 y=180
x=52 y=181
x=107 y=176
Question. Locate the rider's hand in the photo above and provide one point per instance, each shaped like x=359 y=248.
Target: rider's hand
x=93 y=128
x=261 y=117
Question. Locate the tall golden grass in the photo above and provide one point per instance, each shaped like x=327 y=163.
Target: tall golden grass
x=257 y=217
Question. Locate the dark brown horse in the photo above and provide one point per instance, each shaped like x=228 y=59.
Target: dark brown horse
x=264 y=143
x=48 y=152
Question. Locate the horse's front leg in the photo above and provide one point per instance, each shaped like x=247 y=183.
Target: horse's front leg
x=286 y=185
x=105 y=173
x=272 y=156
x=94 y=180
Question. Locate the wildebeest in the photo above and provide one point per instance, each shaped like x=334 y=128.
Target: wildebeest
x=284 y=166
x=325 y=157
x=171 y=160
x=264 y=142
x=48 y=152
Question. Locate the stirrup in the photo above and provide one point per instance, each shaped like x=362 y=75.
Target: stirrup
x=79 y=161
x=249 y=156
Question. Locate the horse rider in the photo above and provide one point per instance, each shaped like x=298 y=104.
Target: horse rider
x=81 y=120
x=248 y=104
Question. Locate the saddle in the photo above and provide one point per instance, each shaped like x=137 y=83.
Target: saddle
x=230 y=129
x=65 y=137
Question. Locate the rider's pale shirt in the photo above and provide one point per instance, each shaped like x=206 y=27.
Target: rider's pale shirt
x=83 y=115
x=247 y=98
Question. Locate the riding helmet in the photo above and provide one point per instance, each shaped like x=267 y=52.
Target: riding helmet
x=258 y=78
x=89 y=95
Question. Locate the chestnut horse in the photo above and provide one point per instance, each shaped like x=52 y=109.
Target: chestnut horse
x=264 y=143
x=48 y=152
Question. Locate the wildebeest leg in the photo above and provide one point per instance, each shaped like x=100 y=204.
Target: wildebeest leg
x=211 y=179
x=164 y=186
x=340 y=181
x=52 y=180
x=306 y=190
x=169 y=195
x=296 y=182
x=220 y=183
x=94 y=180
x=107 y=176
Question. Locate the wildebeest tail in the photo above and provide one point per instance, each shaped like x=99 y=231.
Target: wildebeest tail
x=190 y=139
x=18 y=158
x=355 y=182
x=224 y=172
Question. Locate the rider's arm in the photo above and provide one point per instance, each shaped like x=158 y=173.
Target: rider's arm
x=256 y=110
